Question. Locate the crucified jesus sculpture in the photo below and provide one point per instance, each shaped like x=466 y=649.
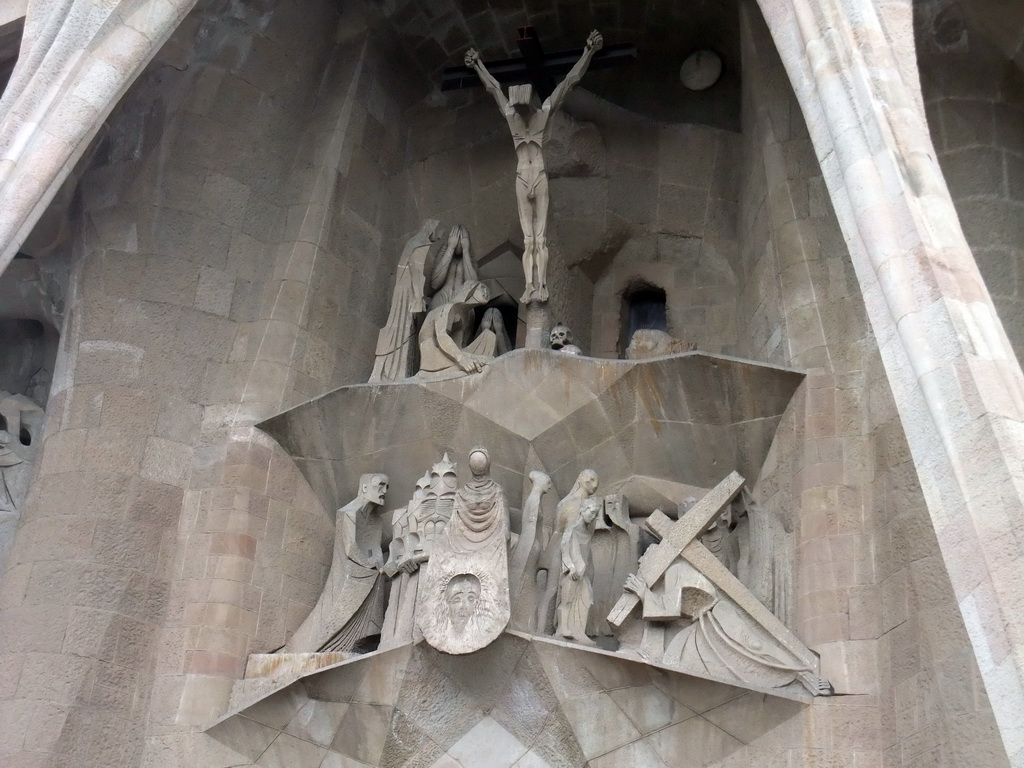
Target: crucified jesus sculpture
x=530 y=128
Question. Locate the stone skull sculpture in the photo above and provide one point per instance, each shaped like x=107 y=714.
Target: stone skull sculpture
x=561 y=335
x=562 y=339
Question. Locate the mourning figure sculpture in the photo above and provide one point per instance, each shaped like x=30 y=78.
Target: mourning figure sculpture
x=453 y=267
x=395 y=340
x=575 y=588
x=530 y=128
x=445 y=348
x=351 y=606
x=550 y=564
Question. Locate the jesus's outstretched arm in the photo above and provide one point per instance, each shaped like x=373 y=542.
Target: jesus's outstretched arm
x=473 y=62
x=594 y=44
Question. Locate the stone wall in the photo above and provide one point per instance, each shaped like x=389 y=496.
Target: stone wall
x=165 y=538
x=974 y=98
x=239 y=223
x=673 y=193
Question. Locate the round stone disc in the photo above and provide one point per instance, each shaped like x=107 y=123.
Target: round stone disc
x=701 y=70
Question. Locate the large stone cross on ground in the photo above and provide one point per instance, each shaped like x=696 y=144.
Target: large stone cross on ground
x=542 y=70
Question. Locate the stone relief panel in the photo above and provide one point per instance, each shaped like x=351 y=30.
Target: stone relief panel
x=704 y=591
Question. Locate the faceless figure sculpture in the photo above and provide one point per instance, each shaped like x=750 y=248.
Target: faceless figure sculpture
x=528 y=546
x=531 y=127
x=562 y=340
x=395 y=340
x=453 y=267
x=351 y=606
x=715 y=638
x=443 y=344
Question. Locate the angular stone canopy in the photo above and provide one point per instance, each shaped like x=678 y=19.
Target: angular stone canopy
x=687 y=419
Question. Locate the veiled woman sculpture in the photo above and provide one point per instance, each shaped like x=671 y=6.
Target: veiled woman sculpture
x=575 y=590
x=566 y=512
x=463 y=602
x=445 y=346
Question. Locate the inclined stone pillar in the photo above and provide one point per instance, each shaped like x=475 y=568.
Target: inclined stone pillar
x=957 y=384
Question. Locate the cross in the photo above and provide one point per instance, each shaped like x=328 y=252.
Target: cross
x=682 y=539
x=542 y=70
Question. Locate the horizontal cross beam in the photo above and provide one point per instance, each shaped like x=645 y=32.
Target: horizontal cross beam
x=515 y=71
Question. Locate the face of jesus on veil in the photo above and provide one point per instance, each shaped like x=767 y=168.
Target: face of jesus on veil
x=462 y=596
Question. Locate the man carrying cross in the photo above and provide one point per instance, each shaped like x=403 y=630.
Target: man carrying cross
x=530 y=129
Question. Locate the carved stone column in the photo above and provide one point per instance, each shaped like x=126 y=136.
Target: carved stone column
x=957 y=385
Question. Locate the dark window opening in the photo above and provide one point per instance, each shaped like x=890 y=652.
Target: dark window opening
x=643 y=306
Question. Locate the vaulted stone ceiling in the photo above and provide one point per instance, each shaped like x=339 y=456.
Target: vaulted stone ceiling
x=436 y=33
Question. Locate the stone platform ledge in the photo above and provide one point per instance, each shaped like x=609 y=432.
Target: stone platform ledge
x=250 y=691
x=291 y=664
x=277 y=675
x=792 y=692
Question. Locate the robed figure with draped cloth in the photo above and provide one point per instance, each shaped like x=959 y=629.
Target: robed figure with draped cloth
x=463 y=602
x=396 y=340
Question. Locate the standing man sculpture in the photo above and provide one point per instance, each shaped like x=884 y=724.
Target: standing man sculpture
x=531 y=127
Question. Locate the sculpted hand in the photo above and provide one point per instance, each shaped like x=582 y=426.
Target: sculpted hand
x=635 y=585
x=574 y=574
x=594 y=43
x=471 y=364
x=472 y=58
x=409 y=566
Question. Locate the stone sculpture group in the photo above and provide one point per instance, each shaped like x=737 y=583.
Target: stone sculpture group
x=709 y=598
x=432 y=330
x=707 y=594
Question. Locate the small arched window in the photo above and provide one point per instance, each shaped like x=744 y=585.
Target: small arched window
x=643 y=306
